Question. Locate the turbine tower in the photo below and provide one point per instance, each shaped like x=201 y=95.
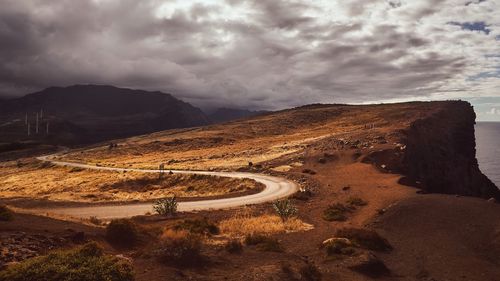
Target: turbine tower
x=36 y=128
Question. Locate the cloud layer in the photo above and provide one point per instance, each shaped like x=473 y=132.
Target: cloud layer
x=265 y=54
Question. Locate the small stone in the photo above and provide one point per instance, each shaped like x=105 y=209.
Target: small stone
x=337 y=239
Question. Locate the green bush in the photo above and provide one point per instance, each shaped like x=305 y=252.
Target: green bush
x=166 y=206
x=336 y=212
x=284 y=208
x=85 y=263
x=122 y=233
x=198 y=226
x=5 y=214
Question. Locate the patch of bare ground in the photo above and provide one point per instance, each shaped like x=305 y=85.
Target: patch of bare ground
x=26 y=236
x=443 y=237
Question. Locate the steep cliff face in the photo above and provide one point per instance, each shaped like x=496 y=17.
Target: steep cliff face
x=440 y=153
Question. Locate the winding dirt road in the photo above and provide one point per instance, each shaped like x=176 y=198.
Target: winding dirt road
x=275 y=188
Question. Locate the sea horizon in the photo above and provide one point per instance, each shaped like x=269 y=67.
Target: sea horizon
x=487 y=149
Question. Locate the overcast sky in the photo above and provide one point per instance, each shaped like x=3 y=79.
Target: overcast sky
x=257 y=53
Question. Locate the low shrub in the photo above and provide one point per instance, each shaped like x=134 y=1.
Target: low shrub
x=122 y=233
x=285 y=209
x=303 y=195
x=76 y=170
x=356 y=201
x=243 y=224
x=310 y=272
x=198 y=226
x=87 y=262
x=254 y=239
x=336 y=212
x=365 y=238
x=309 y=171
x=5 y=214
x=234 y=247
x=166 y=206
x=180 y=248
x=370 y=265
x=264 y=243
x=339 y=246
x=286 y=268
x=270 y=245
x=95 y=220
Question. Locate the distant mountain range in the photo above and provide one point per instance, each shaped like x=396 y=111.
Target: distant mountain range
x=227 y=114
x=92 y=113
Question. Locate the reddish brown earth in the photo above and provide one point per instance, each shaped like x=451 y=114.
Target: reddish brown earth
x=434 y=237
x=439 y=237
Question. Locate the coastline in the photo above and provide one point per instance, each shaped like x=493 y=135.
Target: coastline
x=487 y=149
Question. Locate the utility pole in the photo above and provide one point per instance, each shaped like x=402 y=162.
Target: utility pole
x=36 y=128
x=28 y=129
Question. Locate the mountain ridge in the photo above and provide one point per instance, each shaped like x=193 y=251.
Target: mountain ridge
x=98 y=112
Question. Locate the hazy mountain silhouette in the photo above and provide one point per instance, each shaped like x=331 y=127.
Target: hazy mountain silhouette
x=228 y=114
x=90 y=113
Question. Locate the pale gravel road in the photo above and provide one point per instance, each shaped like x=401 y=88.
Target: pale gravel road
x=275 y=188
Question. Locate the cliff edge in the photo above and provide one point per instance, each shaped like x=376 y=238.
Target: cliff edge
x=440 y=153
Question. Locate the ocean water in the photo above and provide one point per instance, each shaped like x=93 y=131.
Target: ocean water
x=488 y=149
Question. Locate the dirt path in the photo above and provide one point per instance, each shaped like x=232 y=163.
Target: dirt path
x=275 y=188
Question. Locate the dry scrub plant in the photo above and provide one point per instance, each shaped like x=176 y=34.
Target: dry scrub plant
x=180 y=248
x=243 y=224
x=166 y=206
x=88 y=262
x=285 y=209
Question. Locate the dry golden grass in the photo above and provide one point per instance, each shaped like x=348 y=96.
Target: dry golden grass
x=245 y=224
x=257 y=140
x=69 y=184
x=282 y=135
x=174 y=234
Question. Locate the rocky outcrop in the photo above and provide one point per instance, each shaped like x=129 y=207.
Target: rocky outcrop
x=440 y=153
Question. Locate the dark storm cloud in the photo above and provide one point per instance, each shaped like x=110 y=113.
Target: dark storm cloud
x=246 y=53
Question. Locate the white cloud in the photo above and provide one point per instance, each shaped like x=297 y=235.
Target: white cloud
x=493 y=111
x=255 y=53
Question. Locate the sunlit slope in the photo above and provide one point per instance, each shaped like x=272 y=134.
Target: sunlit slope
x=257 y=140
